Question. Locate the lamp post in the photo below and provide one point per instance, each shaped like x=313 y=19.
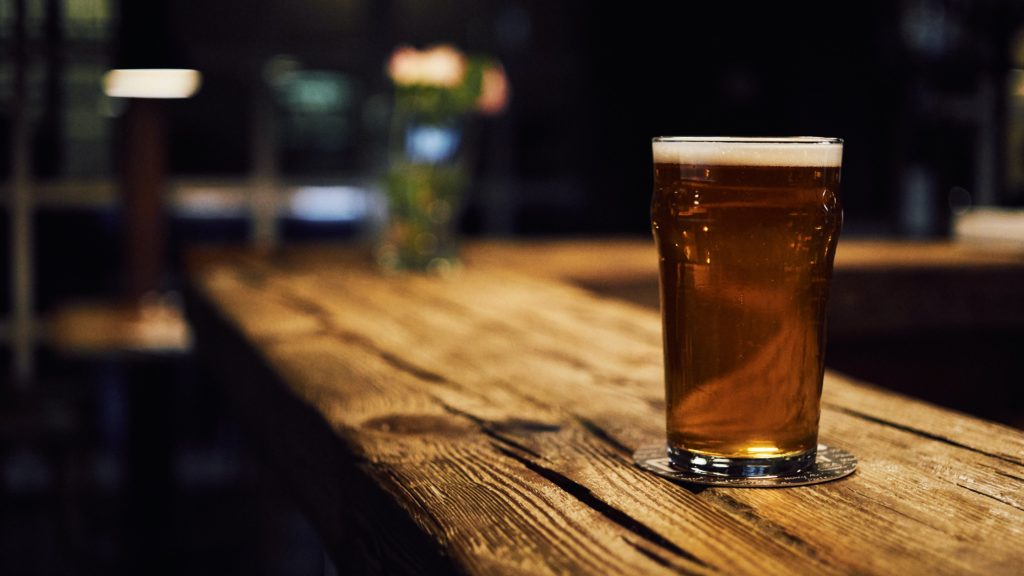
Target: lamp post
x=143 y=169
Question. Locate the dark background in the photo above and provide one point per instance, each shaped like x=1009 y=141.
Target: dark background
x=901 y=82
x=132 y=463
x=914 y=87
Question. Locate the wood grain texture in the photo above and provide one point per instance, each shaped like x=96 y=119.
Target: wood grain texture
x=488 y=421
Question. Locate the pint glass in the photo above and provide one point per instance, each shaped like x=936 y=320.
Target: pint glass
x=746 y=230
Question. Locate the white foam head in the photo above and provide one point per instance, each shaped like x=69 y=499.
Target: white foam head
x=739 y=151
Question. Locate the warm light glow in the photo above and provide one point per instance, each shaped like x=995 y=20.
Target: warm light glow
x=1018 y=82
x=440 y=65
x=151 y=83
x=763 y=449
x=494 y=91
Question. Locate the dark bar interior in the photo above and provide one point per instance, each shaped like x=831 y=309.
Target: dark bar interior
x=120 y=452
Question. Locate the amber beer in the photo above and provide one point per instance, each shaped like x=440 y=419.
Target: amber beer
x=746 y=230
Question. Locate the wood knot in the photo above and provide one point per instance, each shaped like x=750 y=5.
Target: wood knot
x=426 y=424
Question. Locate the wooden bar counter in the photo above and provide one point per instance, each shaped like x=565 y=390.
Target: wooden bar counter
x=485 y=424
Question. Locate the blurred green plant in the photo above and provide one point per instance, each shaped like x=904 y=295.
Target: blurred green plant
x=435 y=91
x=441 y=82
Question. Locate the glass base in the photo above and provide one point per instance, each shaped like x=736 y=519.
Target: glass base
x=831 y=463
x=741 y=467
x=444 y=265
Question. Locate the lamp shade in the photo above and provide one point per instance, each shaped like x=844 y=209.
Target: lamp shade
x=151 y=82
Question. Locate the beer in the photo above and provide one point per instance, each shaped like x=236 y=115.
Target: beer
x=746 y=231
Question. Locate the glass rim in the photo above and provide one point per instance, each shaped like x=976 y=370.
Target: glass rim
x=750 y=139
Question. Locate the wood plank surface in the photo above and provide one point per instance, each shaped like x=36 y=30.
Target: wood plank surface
x=878 y=286
x=99 y=329
x=484 y=424
x=621 y=258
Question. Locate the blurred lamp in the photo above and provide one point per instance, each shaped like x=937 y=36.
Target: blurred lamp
x=143 y=165
x=151 y=82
